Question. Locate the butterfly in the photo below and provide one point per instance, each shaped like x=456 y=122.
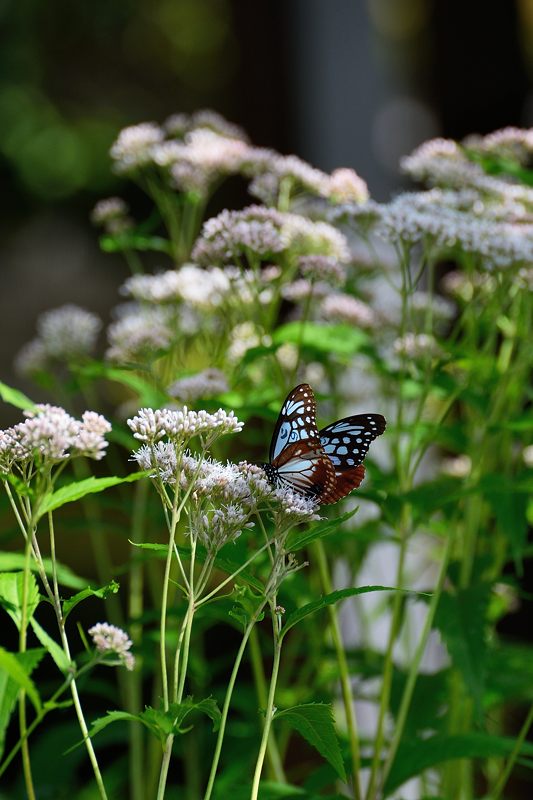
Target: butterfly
x=324 y=465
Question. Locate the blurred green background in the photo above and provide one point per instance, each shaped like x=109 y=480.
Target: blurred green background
x=348 y=82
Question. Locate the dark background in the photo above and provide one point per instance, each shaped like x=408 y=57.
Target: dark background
x=341 y=83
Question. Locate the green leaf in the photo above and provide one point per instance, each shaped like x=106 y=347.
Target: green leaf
x=65 y=576
x=415 y=756
x=57 y=652
x=461 y=619
x=134 y=241
x=299 y=540
x=162 y=723
x=20 y=674
x=78 y=489
x=334 y=597
x=15 y=398
x=11 y=592
x=147 y=393
x=322 y=338
x=9 y=688
x=314 y=721
x=102 y=592
x=510 y=510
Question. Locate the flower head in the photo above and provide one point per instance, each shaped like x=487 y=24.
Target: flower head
x=207 y=383
x=110 y=640
x=133 y=147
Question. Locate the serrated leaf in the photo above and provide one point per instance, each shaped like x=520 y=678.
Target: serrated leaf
x=314 y=721
x=416 y=756
x=15 y=398
x=102 y=593
x=299 y=540
x=78 y=489
x=65 y=576
x=161 y=723
x=10 y=664
x=57 y=652
x=9 y=688
x=334 y=597
x=461 y=619
x=11 y=592
x=324 y=338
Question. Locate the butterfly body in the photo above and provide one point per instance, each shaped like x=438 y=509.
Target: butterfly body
x=327 y=464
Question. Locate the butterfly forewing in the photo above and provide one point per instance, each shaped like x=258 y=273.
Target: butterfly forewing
x=296 y=421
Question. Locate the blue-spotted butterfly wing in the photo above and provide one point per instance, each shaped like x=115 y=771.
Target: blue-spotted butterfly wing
x=296 y=421
x=346 y=443
x=297 y=459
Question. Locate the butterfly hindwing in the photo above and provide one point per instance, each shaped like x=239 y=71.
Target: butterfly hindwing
x=346 y=441
x=303 y=467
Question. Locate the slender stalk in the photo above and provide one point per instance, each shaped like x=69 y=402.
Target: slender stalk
x=134 y=678
x=388 y=669
x=504 y=777
x=344 y=673
x=269 y=714
x=227 y=701
x=273 y=756
x=56 y=599
x=407 y=695
x=26 y=763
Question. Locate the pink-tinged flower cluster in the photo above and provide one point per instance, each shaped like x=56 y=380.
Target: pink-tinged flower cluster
x=207 y=383
x=112 y=215
x=263 y=233
x=49 y=435
x=274 y=175
x=141 y=331
x=340 y=307
x=134 y=145
x=65 y=334
x=110 y=640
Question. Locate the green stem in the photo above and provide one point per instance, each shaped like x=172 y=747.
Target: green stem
x=134 y=678
x=344 y=673
x=504 y=777
x=407 y=695
x=274 y=759
x=227 y=701
x=56 y=600
x=388 y=668
x=26 y=763
x=269 y=714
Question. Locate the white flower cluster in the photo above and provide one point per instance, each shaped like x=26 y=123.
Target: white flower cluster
x=200 y=288
x=295 y=507
x=417 y=346
x=323 y=268
x=265 y=232
x=207 y=383
x=510 y=143
x=180 y=425
x=201 y=148
x=302 y=288
x=221 y=526
x=108 y=639
x=340 y=307
x=434 y=217
x=233 y=233
x=109 y=210
x=65 y=334
x=49 y=434
x=141 y=331
x=200 y=159
x=443 y=162
x=134 y=145
x=180 y=124
x=273 y=173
